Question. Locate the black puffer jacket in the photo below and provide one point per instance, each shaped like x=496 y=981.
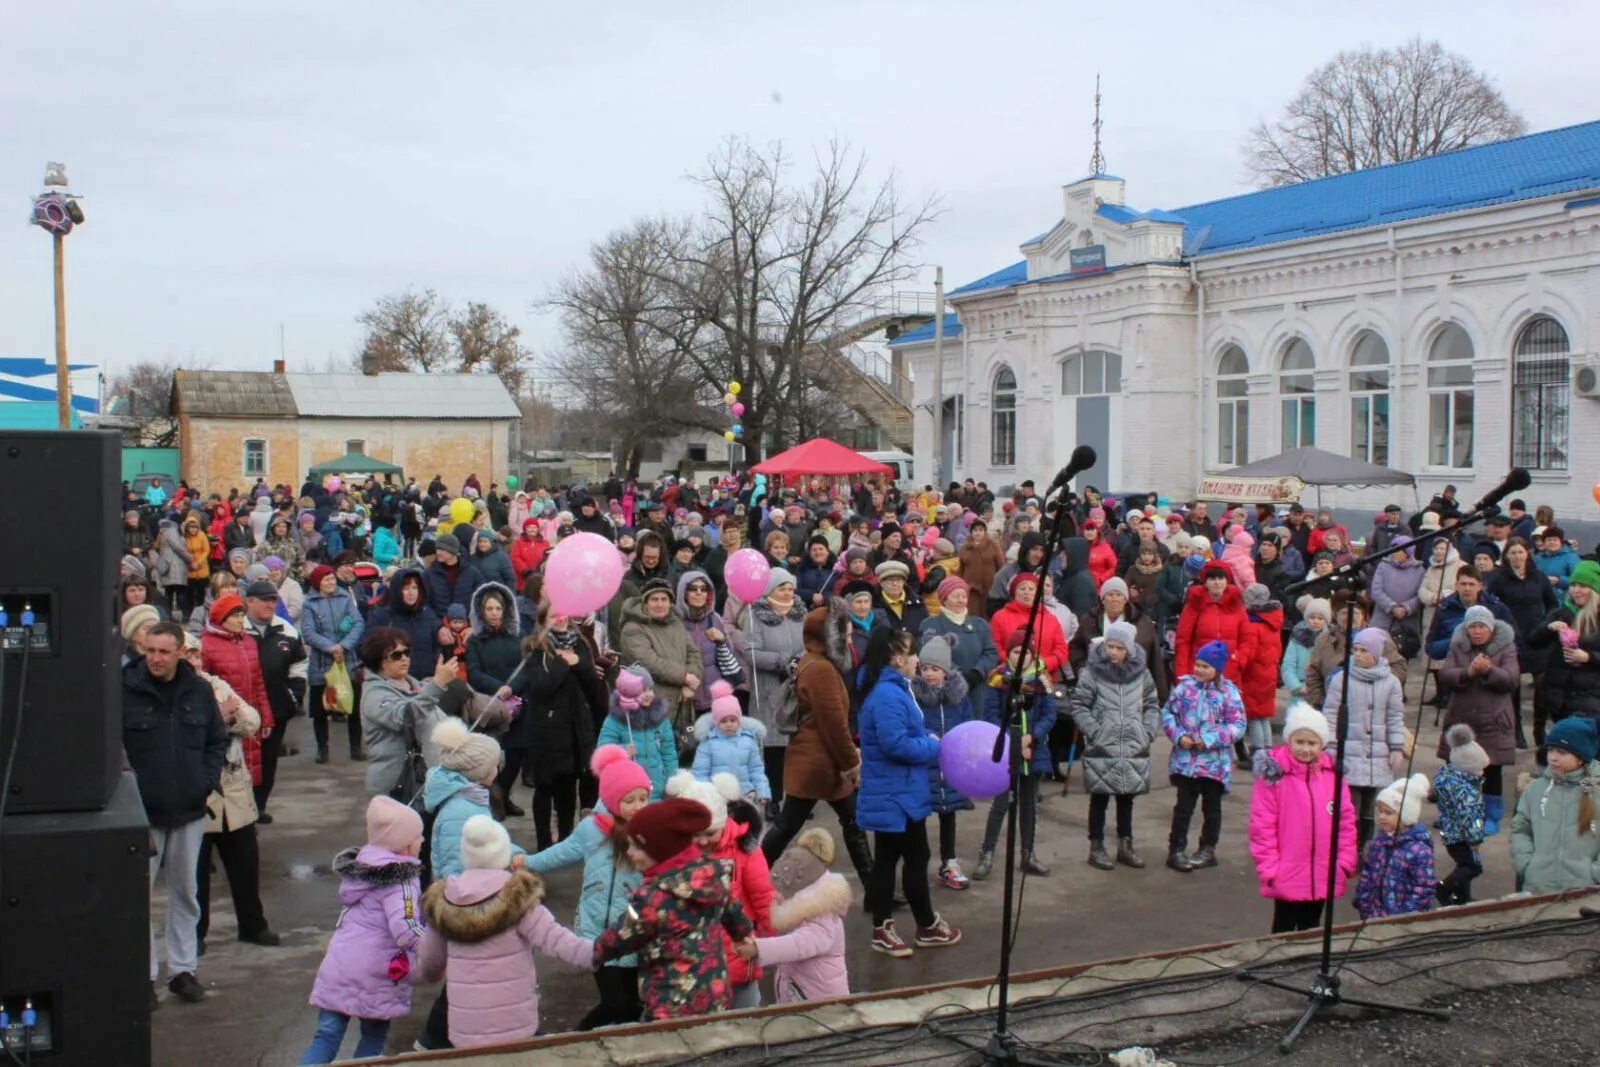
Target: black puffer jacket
x=1566 y=689
x=175 y=740
x=421 y=623
x=1530 y=599
x=556 y=724
x=493 y=654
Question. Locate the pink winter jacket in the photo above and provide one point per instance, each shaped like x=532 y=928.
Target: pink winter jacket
x=1291 y=824
x=809 y=949
x=482 y=929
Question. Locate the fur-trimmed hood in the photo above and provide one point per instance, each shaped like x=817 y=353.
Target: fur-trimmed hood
x=836 y=638
x=368 y=867
x=1503 y=635
x=511 y=622
x=766 y=615
x=1118 y=673
x=640 y=718
x=475 y=905
x=951 y=693
x=704 y=728
x=828 y=895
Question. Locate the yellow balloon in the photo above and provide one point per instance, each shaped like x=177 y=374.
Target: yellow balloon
x=733 y=387
x=727 y=435
x=461 y=510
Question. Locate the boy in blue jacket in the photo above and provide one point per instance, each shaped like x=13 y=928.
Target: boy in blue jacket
x=457 y=789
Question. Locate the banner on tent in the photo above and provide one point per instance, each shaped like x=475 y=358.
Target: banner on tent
x=1285 y=490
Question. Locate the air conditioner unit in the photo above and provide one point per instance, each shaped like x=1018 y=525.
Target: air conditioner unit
x=1586 y=381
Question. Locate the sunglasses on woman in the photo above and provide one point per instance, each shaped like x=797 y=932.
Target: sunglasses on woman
x=398 y=654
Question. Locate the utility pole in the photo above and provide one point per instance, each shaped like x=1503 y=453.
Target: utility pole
x=57 y=211
x=936 y=475
x=63 y=378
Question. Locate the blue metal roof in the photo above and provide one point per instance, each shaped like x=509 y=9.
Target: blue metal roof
x=952 y=328
x=1012 y=275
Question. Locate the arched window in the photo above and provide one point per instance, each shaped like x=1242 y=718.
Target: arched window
x=1369 y=399
x=1091 y=374
x=1233 y=411
x=1540 y=396
x=1450 y=398
x=1003 y=419
x=1297 y=390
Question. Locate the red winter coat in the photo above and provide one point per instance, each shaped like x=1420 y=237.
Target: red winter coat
x=236 y=659
x=752 y=888
x=1204 y=620
x=1048 y=639
x=1260 y=684
x=526 y=555
x=1102 y=562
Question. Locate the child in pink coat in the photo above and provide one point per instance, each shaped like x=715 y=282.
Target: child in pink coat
x=1291 y=823
x=807 y=946
x=483 y=925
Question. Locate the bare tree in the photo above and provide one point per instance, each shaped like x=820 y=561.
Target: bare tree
x=147 y=388
x=406 y=331
x=1366 y=108
x=485 y=342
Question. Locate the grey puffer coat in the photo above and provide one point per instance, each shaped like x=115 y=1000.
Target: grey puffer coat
x=776 y=643
x=1377 y=723
x=172 y=555
x=1116 y=710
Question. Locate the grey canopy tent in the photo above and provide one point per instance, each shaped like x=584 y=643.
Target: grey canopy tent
x=1315 y=467
x=354 y=463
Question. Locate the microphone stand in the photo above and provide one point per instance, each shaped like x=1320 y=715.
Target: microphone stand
x=1324 y=991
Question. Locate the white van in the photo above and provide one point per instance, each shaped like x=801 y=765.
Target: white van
x=905 y=478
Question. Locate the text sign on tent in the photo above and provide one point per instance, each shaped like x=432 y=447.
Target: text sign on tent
x=1284 y=490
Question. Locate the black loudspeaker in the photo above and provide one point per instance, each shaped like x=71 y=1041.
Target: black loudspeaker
x=58 y=580
x=75 y=933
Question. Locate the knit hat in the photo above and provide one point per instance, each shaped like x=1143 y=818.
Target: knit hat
x=133 y=567
x=1486 y=548
x=943 y=548
x=447 y=542
x=892 y=568
x=225 y=605
x=778 y=576
x=1113 y=585
x=1124 y=634
x=319 y=572
x=618 y=775
x=1373 y=640
x=1465 y=752
x=1404 y=797
x=667 y=827
x=1576 y=734
x=1303 y=716
x=529 y=523
x=1478 y=613
x=955 y=584
x=1242 y=540
x=455 y=611
x=632 y=682
x=1430 y=522
x=1215 y=569
x=1193 y=565
x=136 y=617
x=656 y=585
x=1020 y=578
x=1586 y=573
x=240 y=553
x=936 y=653
x=257 y=572
x=1214 y=653
x=803 y=862
x=392 y=825
x=1320 y=607
x=713 y=795
x=474 y=756
x=485 y=845
x=857 y=587
x=1256 y=596
x=724 y=705
x=852 y=554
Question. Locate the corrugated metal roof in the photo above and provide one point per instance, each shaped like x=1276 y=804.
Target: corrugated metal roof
x=952 y=330
x=402 y=396
x=232 y=392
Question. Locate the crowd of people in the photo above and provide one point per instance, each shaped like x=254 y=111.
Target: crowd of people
x=675 y=743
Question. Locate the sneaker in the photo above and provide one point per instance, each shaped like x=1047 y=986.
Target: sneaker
x=263 y=937
x=950 y=876
x=1179 y=862
x=887 y=941
x=985 y=865
x=940 y=933
x=187 y=987
x=1206 y=857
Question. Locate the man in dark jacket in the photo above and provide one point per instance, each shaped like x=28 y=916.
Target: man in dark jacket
x=1384 y=533
x=239 y=534
x=588 y=519
x=449 y=579
x=175 y=741
x=283 y=668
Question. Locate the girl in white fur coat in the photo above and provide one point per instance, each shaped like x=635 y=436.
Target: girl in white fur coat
x=808 y=947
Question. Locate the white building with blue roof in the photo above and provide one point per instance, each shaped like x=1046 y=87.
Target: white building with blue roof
x=1438 y=316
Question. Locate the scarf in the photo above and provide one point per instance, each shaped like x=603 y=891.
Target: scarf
x=560 y=640
x=1148 y=568
x=1032 y=676
x=476 y=793
x=958 y=619
x=864 y=624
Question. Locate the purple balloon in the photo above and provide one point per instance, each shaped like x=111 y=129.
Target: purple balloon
x=966 y=759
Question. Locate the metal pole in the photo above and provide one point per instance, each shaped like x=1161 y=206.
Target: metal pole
x=63 y=379
x=935 y=467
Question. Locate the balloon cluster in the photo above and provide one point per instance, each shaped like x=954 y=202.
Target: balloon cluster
x=735 y=407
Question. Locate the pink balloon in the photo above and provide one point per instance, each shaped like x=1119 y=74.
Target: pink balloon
x=582 y=575
x=738 y=409
x=333 y=483
x=746 y=574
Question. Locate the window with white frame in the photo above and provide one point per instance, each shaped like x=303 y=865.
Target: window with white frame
x=1541 y=396
x=1369 y=399
x=1297 y=395
x=1450 y=398
x=1233 y=411
x=255 y=457
x=1091 y=374
x=1003 y=419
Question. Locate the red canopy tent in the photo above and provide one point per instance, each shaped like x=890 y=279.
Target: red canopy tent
x=820 y=456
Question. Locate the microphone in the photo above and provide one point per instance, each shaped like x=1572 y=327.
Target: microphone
x=1083 y=457
x=1518 y=480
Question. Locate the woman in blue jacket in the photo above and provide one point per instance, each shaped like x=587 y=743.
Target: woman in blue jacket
x=896 y=751
x=330 y=625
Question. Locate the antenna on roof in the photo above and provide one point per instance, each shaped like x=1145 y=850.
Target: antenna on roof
x=1097 y=162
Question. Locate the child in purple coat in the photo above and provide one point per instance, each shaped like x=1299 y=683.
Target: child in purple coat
x=366 y=974
x=1397 y=873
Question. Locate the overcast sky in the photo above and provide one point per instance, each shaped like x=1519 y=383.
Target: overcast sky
x=250 y=165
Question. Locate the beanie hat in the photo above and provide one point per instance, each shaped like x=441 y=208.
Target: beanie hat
x=1214 y=653
x=1113 y=585
x=240 y=553
x=667 y=827
x=1242 y=540
x=1303 y=716
x=1193 y=565
x=618 y=775
x=656 y=585
x=857 y=587
x=134 y=567
x=713 y=795
x=473 y=756
x=1486 y=548
x=631 y=685
x=1124 y=634
x=1478 y=613
x=392 y=825
x=724 y=705
x=1465 y=752
x=136 y=617
x=891 y=568
x=1256 y=596
x=803 y=862
x=1576 y=734
x=930 y=536
x=778 y=576
x=319 y=572
x=943 y=548
x=447 y=542
x=936 y=653
x=257 y=572
x=852 y=554
x=1586 y=573
x=485 y=845
x=456 y=611
x=1320 y=607
x=1430 y=522
x=1215 y=569
x=1020 y=578
x=1373 y=640
x=1403 y=796
x=225 y=605
x=955 y=583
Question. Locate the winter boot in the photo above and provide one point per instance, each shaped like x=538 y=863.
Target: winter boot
x=1206 y=857
x=322 y=753
x=1031 y=865
x=1099 y=858
x=1241 y=756
x=1179 y=862
x=985 y=865
x=1494 y=809
x=856 y=843
x=1126 y=855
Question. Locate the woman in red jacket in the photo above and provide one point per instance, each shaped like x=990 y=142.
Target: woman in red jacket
x=1048 y=640
x=1214 y=611
x=1260 y=688
x=1102 y=557
x=528 y=551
